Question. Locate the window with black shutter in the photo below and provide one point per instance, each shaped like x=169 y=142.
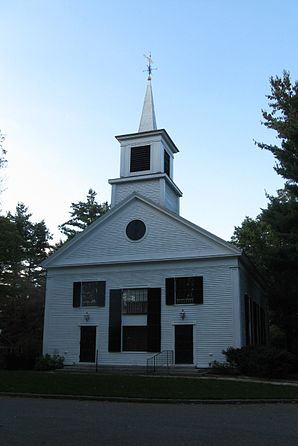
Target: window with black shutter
x=139 y=158
x=87 y=294
x=134 y=301
x=166 y=163
x=184 y=290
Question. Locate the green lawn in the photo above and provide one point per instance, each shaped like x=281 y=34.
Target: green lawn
x=137 y=386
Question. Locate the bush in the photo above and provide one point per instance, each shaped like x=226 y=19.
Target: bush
x=48 y=362
x=262 y=361
x=223 y=368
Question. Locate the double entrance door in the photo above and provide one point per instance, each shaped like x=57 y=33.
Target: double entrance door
x=183 y=344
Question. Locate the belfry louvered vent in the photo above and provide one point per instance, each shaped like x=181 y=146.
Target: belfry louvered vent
x=140 y=158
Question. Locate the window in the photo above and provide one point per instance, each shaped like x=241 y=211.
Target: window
x=255 y=322
x=166 y=163
x=87 y=294
x=139 y=158
x=134 y=301
x=134 y=338
x=184 y=290
x=135 y=230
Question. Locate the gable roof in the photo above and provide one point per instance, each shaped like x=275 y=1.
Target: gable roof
x=104 y=241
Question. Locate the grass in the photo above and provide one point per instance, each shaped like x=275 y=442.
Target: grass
x=100 y=385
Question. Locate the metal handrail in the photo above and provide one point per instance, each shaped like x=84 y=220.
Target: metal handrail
x=163 y=359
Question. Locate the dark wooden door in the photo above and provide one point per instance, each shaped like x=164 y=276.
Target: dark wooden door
x=87 y=344
x=183 y=344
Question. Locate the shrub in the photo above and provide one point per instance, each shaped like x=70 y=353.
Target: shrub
x=224 y=368
x=262 y=361
x=48 y=362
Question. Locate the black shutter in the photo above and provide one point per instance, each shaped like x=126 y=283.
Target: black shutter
x=198 y=293
x=247 y=321
x=170 y=291
x=76 y=294
x=139 y=158
x=115 y=321
x=153 y=319
x=100 y=295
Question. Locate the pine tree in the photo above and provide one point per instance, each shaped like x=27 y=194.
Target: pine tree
x=83 y=214
x=283 y=118
x=271 y=240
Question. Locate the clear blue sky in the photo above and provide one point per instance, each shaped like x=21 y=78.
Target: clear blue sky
x=71 y=78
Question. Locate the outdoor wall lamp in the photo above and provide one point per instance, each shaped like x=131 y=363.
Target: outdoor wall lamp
x=86 y=316
x=182 y=314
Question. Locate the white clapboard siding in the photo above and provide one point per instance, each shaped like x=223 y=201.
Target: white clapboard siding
x=213 y=320
x=148 y=188
x=166 y=237
x=171 y=199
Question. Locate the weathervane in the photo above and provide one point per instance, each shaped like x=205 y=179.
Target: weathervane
x=149 y=66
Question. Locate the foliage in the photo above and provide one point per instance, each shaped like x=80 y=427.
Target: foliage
x=223 y=368
x=283 y=118
x=83 y=214
x=3 y=160
x=48 y=362
x=23 y=245
x=262 y=361
x=2 y=151
x=271 y=240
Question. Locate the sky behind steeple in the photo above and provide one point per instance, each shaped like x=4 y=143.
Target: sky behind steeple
x=74 y=78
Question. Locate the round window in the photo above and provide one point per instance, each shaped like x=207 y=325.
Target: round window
x=135 y=230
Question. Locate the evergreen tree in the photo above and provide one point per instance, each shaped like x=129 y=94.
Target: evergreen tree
x=2 y=151
x=283 y=118
x=3 y=160
x=83 y=214
x=271 y=240
x=23 y=245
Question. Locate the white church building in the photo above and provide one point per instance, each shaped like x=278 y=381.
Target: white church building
x=142 y=280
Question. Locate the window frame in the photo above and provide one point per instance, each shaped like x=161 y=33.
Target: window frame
x=142 y=304
x=197 y=290
x=140 y=158
x=99 y=292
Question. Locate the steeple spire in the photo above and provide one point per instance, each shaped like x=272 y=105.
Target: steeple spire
x=148 y=119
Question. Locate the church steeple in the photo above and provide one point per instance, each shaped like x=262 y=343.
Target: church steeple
x=148 y=119
x=147 y=157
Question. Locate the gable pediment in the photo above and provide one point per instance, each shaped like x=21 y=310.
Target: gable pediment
x=167 y=237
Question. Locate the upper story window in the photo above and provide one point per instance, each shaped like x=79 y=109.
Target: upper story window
x=184 y=290
x=134 y=301
x=166 y=163
x=139 y=158
x=88 y=294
